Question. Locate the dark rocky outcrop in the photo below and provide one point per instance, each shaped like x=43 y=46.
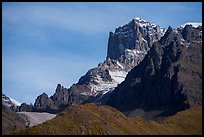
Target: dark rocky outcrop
x=60 y=98
x=190 y=34
x=26 y=107
x=169 y=79
x=79 y=93
x=53 y=104
x=44 y=103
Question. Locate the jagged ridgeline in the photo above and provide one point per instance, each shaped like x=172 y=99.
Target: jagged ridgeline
x=127 y=46
x=168 y=80
x=148 y=71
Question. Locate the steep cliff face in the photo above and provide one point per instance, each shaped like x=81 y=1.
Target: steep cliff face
x=137 y=35
x=169 y=78
x=127 y=46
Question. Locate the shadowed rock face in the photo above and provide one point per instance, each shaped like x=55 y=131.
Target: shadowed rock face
x=26 y=107
x=168 y=79
x=60 y=97
x=53 y=104
x=43 y=101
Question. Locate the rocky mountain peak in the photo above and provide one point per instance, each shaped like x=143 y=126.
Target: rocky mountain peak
x=168 y=36
x=10 y=102
x=189 y=33
x=43 y=102
x=193 y=24
x=60 y=96
x=127 y=46
x=129 y=43
x=167 y=80
x=59 y=87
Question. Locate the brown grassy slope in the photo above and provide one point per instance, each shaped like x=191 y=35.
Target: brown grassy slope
x=91 y=119
x=11 y=121
x=186 y=122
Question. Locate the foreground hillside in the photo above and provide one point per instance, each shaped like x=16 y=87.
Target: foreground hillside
x=11 y=121
x=15 y=121
x=90 y=119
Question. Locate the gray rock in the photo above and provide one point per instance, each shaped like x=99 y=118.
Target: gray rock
x=169 y=78
x=137 y=35
x=26 y=107
x=60 y=98
x=44 y=104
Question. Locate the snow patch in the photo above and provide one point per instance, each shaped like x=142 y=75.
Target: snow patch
x=15 y=102
x=8 y=101
x=144 y=23
x=121 y=66
x=134 y=52
x=118 y=76
x=105 y=86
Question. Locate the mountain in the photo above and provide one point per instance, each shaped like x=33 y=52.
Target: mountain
x=167 y=80
x=161 y=69
x=91 y=119
x=127 y=46
x=149 y=83
x=8 y=101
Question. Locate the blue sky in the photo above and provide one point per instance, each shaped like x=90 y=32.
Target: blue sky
x=44 y=44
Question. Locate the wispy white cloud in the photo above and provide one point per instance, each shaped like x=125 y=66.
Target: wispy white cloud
x=81 y=18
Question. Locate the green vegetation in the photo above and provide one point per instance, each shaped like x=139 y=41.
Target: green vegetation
x=90 y=119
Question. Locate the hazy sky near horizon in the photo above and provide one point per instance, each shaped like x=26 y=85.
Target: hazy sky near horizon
x=44 y=44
